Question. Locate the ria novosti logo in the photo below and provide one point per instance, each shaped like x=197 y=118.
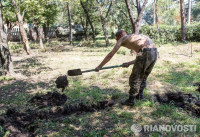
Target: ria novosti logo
x=166 y=128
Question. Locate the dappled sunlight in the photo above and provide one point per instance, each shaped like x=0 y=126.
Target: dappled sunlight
x=172 y=73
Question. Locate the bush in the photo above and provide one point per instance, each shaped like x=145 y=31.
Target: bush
x=171 y=33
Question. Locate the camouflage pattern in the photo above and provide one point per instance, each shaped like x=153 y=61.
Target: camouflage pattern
x=144 y=64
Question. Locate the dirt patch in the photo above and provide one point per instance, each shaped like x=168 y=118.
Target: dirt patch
x=22 y=123
x=62 y=82
x=19 y=124
x=188 y=102
x=49 y=99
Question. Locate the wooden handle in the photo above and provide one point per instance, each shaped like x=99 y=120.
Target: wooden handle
x=109 y=67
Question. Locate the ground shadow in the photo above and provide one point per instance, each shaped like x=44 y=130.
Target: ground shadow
x=30 y=66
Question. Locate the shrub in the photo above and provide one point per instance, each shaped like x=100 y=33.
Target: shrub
x=171 y=33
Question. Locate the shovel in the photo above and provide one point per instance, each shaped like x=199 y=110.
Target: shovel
x=76 y=72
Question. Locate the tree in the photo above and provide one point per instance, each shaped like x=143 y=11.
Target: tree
x=5 y=55
x=86 y=11
x=136 y=23
x=182 y=20
x=41 y=14
x=189 y=11
x=70 y=23
x=20 y=17
x=9 y=17
x=103 y=19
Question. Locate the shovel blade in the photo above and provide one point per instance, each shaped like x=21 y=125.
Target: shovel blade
x=74 y=72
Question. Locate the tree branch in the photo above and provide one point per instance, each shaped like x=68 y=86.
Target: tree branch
x=130 y=13
x=23 y=13
x=142 y=10
x=109 y=9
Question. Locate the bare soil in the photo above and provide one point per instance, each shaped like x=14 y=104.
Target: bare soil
x=49 y=99
x=188 y=102
x=24 y=123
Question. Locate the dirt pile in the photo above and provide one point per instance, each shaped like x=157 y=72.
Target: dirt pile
x=19 y=124
x=62 y=82
x=188 y=102
x=80 y=107
x=49 y=99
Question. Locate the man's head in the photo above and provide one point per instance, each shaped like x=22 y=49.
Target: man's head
x=120 y=34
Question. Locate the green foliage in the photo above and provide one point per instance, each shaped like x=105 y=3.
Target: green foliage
x=41 y=12
x=171 y=33
x=3 y=133
x=196 y=11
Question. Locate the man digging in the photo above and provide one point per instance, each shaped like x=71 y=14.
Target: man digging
x=143 y=64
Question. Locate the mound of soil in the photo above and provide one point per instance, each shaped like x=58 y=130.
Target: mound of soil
x=188 y=102
x=21 y=124
x=69 y=109
x=50 y=99
x=62 y=82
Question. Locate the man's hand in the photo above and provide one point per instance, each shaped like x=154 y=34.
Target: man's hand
x=97 y=69
x=125 y=65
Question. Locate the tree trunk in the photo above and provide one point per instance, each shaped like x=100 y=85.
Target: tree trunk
x=85 y=26
x=154 y=12
x=70 y=24
x=21 y=28
x=130 y=15
x=136 y=24
x=138 y=7
x=86 y=30
x=41 y=36
x=6 y=61
x=182 y=20
x=89 y=20
x=189 y=11
x=103 y=25
x=33 y=34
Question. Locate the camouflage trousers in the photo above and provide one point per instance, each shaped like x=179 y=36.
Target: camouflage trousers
x=144 y=64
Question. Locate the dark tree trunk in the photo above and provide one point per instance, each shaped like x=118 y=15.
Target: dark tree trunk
x=130 y=15
x=85 y=26
x=9 y=29
x=70 y=24
x=6 y=61
x=136 y=24
x=182 y=20
x=33 y=34
x=21 y=28
x=103 y=25
x=89 y=20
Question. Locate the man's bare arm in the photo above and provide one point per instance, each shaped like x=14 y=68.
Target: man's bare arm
x=131 y=62
x=109 y=56
x=127 y=64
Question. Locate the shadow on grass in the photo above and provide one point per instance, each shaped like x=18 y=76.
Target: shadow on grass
x=30 y=66
x=16 y=95
x=18 y=92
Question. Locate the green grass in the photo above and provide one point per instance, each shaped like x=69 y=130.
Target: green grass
x=171 y=73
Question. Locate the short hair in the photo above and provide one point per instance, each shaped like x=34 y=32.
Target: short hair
x=120 y=33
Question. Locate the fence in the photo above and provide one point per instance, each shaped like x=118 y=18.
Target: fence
x=14 y=34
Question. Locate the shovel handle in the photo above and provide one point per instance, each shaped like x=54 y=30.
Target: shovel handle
x=109 y=67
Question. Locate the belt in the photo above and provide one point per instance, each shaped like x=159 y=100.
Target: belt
x=148 y=49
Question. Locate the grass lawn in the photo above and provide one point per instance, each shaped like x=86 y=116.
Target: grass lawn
x=176 y=70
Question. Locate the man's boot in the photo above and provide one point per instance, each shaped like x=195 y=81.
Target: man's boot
x=129 y=102
x=140 y=96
